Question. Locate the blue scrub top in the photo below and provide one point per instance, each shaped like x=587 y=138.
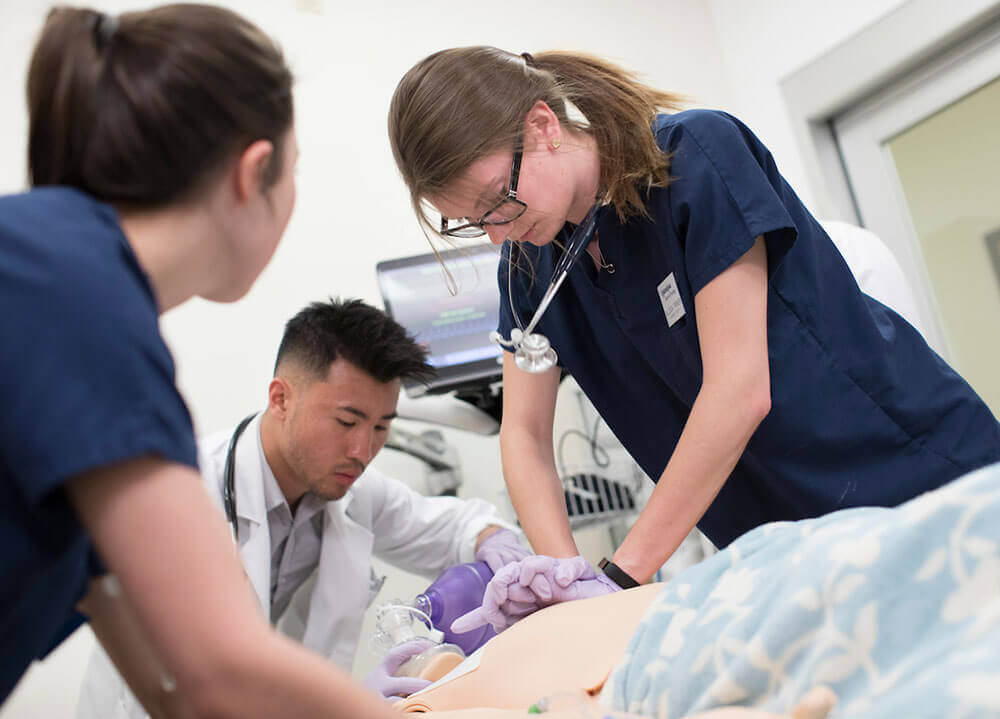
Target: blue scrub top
x=863 y=412
x=86 y=381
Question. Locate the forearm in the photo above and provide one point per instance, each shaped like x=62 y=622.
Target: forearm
x=180 y=576
x=533 y=484
x=721 y=423
x=128 y=646
x=277 y=678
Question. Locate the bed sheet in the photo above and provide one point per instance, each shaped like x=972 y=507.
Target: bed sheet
x=897 y=610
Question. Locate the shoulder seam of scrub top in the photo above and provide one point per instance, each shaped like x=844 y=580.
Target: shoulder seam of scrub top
x=719 y=261
x=689 y=129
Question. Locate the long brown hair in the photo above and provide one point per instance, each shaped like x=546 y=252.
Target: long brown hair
x=141 y=109
x=459 y=105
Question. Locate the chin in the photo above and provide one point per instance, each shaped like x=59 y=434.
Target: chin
x=332 y=493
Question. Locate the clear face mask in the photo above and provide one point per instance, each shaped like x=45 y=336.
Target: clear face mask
x=397 y=623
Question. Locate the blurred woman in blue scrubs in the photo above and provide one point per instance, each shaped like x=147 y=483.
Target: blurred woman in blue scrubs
x=161 y=155
x=712 y=323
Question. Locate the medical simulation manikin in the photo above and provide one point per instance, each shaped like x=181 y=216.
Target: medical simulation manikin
x=561 y=655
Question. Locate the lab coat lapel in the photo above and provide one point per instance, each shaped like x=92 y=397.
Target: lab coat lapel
x=251 y=511
x=341 y=593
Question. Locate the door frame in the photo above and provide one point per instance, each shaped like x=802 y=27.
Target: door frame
x=904 y=49
x=864 y=131
x=888 y=50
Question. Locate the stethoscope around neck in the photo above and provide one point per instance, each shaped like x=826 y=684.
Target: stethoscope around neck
x=533 y=352
x=229 y=477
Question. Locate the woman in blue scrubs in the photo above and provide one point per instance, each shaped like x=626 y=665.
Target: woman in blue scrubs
x=713 y=324
x=161 y=156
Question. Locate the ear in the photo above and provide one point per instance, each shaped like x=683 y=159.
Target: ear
x=541 y=127
x=279 y=398
x=250 y=167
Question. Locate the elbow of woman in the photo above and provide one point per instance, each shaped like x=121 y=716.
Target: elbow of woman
x=758 y=403
x=220 y=689
x=213 y=699
x=749 y=400
x=743 y=395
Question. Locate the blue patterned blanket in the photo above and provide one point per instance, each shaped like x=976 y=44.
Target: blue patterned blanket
x=897 y=610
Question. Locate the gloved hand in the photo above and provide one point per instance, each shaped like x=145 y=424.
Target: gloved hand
x=562 y=580
x=519 y=589
x=382 y=681
x=499 y=549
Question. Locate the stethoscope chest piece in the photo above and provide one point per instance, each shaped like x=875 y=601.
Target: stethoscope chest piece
x=534 y=353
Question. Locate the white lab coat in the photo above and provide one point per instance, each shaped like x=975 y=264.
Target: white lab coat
x=378 y=515
x=875 y=269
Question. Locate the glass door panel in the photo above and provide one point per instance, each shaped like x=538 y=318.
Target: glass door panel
x=949 y=171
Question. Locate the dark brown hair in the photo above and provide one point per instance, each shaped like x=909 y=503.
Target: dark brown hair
x=459 y=105
x=363 y=335
x=141 y=109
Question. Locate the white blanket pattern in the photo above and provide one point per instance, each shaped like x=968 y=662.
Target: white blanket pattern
x=898 y=610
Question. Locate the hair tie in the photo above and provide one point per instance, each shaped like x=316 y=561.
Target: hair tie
x=104 y=27
x=528 y=59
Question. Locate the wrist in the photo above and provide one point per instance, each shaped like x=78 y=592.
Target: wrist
x=487 y=532
x=617 y=574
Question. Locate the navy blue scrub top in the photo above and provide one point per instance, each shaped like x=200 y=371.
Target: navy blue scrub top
x=863 y=412
x=86 y=381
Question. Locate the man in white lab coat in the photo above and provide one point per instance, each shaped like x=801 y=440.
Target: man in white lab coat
x=306 y=512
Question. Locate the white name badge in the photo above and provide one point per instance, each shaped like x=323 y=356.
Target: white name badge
x=670 y=298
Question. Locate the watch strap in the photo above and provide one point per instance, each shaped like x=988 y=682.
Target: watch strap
x=616 y=574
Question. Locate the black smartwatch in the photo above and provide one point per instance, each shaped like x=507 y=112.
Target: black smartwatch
x=616 y=574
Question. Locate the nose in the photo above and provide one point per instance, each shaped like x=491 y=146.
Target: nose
x=364 y=447
x=497 y=233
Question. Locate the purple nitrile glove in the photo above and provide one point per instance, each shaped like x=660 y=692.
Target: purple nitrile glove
x=561 y=580
x=495 y=597
x=499 y=549
x=382 y=679
x=535 y=582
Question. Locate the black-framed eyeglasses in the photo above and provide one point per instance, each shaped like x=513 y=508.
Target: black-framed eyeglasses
x=508 y=209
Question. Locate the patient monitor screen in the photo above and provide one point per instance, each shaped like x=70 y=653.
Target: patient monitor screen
x=454 y=328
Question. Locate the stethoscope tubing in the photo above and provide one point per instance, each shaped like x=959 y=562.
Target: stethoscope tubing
x=578 y=241
x=229 y=476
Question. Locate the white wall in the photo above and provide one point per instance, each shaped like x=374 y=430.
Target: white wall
x=761 y=42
